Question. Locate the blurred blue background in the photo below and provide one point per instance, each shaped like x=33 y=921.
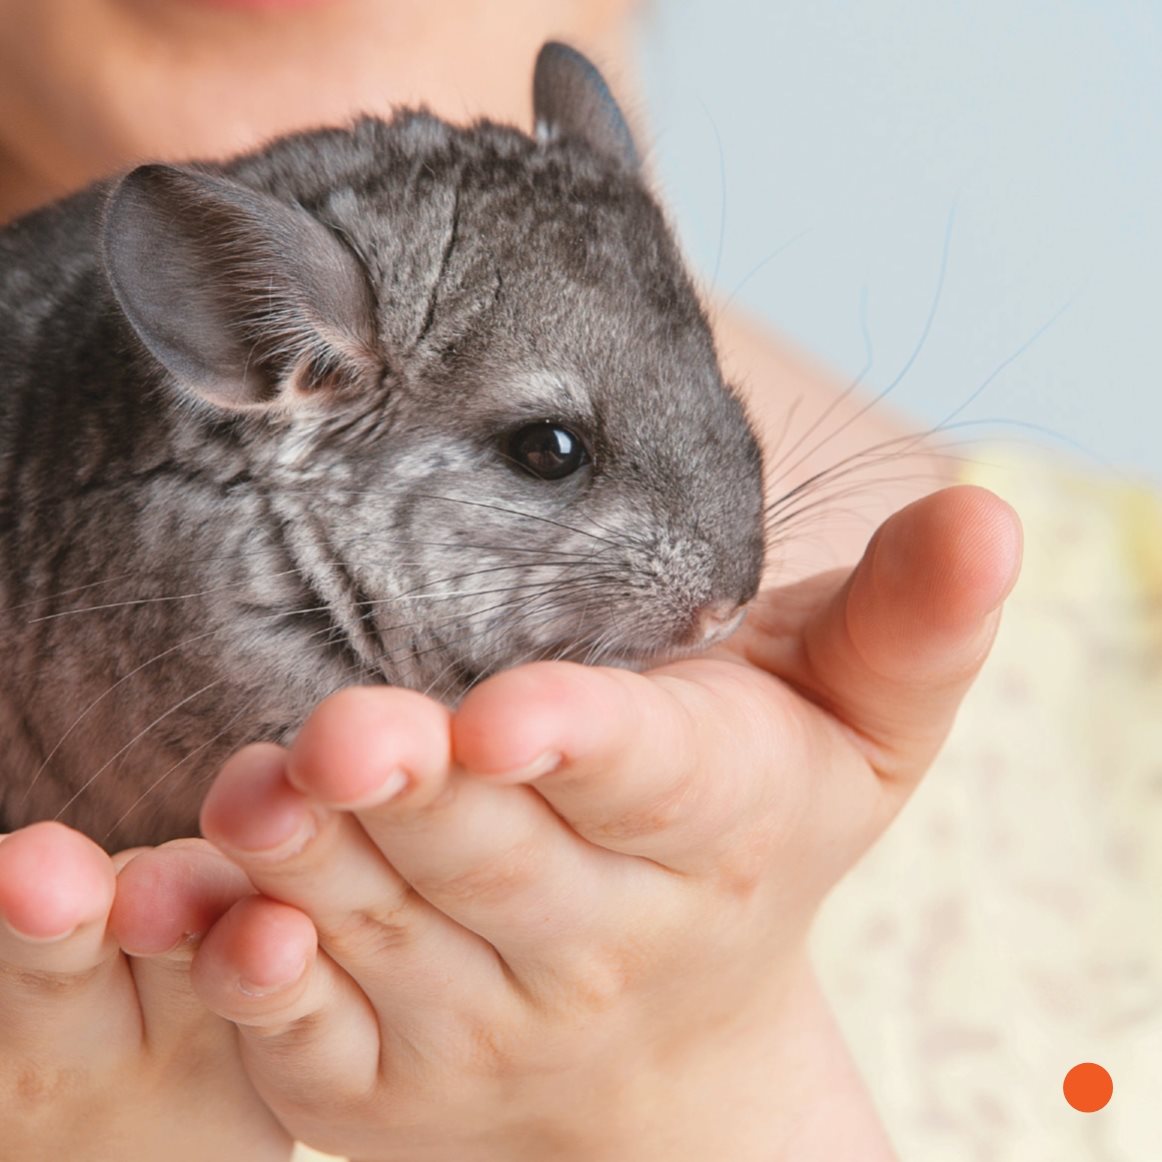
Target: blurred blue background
x=813 y=152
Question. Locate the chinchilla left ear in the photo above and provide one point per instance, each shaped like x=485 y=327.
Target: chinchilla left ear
x=247 y=302
x=571 y=99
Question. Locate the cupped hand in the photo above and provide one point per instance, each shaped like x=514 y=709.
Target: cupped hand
x=102 y=1057
x=569 y=919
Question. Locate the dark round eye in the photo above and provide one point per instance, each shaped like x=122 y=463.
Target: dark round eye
x=547 y=451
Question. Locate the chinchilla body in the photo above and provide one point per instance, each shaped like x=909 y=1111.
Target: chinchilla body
x=399 y=403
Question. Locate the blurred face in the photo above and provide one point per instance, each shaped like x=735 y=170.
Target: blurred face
x=90 y=86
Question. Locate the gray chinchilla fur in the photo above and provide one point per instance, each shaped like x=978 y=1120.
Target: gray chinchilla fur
x=401 y=402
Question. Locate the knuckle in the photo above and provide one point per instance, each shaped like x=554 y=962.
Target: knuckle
x=37 y=983
x=743 y=869
x=659 y=814
x=490 y=880
x=602 y=977
x=600 y=984
x=369 y=933
x=289 y=1053
x=487 y=1056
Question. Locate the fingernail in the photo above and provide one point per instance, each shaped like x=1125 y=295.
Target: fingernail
x=256 y=989
x=541 y=765
x=393 y=783
x=278 y=835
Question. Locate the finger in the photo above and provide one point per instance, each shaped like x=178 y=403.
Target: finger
x=167 y=899
x=675 y=766
x=322 y=862
x=56 y=888
x=64 y=987
x=365 y=745
x=309 y=1035
x=893 y=652
x=496 y=860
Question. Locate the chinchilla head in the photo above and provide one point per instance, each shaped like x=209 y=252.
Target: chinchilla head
x=469 y=365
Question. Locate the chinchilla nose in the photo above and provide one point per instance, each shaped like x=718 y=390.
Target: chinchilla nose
x=714 y=622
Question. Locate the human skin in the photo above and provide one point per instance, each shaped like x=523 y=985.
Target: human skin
x=640 y=973
x=88 y=87
x=128 y=80
x=103 y=1057
x=605 y=960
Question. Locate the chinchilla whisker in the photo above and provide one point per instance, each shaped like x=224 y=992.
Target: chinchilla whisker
x=173 y=769
x=864 y=463
x=536 y=653
x=829 y=493
x=1005 y=363
x=860 y=476
x=899 y=377
x=135 y=739
x=534 y=585
x=530 y=655
x=801 y=523
x=335 y=633
x=107 y=606
x=599 y=648
x=499 y=508
x=74 y=589
x=619 y=540
x=149 y=600
x=466 y=546
x=187 y=641
x=778 y=463
x=509 y=567
x=772 y=455
x=102 y=696
x=526 y=609
x=527 y=515
x=588 y=603
x=450 y=667
x=437 y=682
x=594 y=650
x=947 y=424
x=544 y=654
x=546 y=554
x=827 y=505
x=543 y=614
x=521 y=603
x=883 y=452
x=517 y=601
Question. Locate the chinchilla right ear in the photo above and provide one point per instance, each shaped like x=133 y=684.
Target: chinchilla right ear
x=245 y=301
x=571 y=99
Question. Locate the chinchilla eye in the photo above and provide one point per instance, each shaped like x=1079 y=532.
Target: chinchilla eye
x=547 y=451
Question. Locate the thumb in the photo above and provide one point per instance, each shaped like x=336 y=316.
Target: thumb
x=894 y=650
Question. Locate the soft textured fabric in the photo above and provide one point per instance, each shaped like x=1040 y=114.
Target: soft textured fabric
x=1009 y=925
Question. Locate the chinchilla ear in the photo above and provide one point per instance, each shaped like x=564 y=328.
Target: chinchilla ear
x=242 y=298
x=571 y=99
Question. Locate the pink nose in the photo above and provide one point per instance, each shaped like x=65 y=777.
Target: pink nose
x=715 y=622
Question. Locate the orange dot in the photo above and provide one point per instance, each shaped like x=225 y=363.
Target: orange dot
x=1088 y=1087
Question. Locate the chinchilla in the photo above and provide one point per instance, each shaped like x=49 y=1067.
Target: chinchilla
x=396 y=403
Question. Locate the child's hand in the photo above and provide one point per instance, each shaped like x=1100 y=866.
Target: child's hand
x=103 y=1058
x=600 y=955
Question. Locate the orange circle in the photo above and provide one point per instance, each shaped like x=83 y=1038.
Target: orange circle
x=1088 y=1087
